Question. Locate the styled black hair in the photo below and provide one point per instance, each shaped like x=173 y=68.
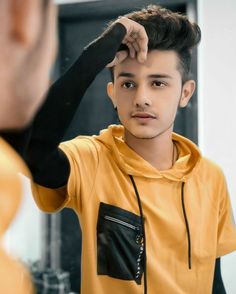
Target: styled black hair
x=168 y=30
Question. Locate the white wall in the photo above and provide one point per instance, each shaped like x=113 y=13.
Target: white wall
x=217 y=101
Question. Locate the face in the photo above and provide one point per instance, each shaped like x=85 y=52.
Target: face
x=29 y=39
x=147 y=95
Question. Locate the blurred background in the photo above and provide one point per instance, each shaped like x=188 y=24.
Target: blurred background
x=54 y=241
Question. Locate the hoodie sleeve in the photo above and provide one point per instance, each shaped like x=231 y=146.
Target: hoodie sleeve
x=226 y=239
x=83 y=157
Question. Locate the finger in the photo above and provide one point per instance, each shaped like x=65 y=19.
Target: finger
x=139 y=42
x=132 y=37
x=142 y=56
x=141 y=34
x=142 y=41
x=131 y=50
x=120 y=56
x=136 y=46
x=128 y=39
x=135 y=33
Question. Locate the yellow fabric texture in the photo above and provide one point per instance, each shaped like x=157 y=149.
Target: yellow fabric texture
x=13 y=276
x=100 y=166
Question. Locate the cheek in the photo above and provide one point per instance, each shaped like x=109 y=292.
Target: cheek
x=123 y=100
x=123 y=109
x=167 y=104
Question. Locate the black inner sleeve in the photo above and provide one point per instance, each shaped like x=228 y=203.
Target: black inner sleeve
x=38 y=144
x=218 y=285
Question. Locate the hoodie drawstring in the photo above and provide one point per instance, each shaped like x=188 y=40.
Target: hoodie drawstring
x=187 y=227
x=144 y=235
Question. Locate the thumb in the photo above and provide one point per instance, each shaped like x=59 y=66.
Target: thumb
x=119 y=57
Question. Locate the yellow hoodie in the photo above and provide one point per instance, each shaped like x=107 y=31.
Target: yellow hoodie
x=13 y=276
x=187 y=216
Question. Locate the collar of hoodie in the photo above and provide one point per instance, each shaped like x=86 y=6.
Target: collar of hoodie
x=133 y=164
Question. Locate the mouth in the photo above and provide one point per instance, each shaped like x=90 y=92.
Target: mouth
x=143 y=116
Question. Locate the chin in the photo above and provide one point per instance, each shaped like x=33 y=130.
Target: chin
x=144 y=134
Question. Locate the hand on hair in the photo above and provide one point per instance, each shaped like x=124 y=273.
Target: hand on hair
x=135 y=39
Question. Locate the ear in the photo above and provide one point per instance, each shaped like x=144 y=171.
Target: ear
x=110 y=93
x=187 y=91
x=26 y=20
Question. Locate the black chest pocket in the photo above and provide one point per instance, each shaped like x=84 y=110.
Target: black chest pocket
x=119 y=243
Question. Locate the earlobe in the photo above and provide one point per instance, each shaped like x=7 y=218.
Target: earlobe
x=187 y=92
x=25 y=21
x=110 y=92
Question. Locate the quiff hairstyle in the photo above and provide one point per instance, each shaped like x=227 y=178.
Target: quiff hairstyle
x=168 y=30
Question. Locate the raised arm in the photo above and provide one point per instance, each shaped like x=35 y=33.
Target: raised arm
x=48 y=164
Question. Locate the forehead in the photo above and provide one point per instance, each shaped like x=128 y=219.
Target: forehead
x=164 y=62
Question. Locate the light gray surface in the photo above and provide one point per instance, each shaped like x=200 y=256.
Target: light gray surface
x=217 y=102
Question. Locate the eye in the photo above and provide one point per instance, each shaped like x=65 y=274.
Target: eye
x=158 y=84
x=128 y=85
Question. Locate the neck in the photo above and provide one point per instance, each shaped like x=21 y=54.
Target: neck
x=159 y=151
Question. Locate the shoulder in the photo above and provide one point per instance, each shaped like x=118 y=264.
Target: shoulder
x=86 y=148
x=210 y=169
x=80 y=143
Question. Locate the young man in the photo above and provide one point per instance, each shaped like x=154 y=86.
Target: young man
x=155 y=214
x=27 y=37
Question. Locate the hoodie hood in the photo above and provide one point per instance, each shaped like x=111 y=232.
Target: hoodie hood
x=133 y=164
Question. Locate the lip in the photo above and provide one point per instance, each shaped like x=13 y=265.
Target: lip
x=143 y=115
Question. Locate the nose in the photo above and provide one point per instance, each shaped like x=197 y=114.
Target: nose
x=141 y=97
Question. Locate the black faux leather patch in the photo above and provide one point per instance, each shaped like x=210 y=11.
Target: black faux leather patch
x=119 y=243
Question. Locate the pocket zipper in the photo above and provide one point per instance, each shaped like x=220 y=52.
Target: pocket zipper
x=118 y=221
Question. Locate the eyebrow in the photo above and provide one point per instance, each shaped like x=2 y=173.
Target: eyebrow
x=155 y=76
